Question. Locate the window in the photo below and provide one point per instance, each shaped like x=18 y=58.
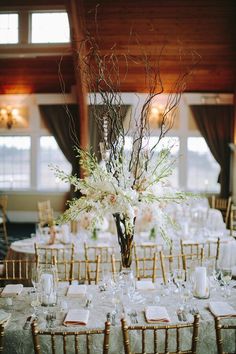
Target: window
x=50 y=27
x=202 y=168
x=51 y=154
x=15 y=162
x=9 y=28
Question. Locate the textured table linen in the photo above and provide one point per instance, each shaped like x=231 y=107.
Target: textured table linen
x=19 y=341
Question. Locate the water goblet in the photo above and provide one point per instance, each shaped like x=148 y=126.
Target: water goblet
x=217 y=276
x=179 y=278
x=35 y=282
x=186 y=295
x=226 y=278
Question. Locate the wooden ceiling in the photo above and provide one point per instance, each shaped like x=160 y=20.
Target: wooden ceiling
x=206 y=27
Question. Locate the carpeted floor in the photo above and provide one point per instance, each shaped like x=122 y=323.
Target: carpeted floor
x=15 y=231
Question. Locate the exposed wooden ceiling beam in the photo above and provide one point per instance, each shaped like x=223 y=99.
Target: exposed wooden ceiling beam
x=77 y=23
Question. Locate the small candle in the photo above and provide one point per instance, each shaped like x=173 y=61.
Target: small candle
x=47 y=283
x=201 y=281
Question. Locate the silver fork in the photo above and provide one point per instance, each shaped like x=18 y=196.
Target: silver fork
x=179 y=315
x=135 y=317
x=132 y=318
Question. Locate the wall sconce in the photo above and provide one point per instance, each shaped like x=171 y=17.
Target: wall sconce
x=156 y=116
x=210 y=99
x=9 y=116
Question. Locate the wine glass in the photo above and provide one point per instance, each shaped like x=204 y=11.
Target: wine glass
x=217 y=275
x=179 y=278
x=187 y=295
x=226 y=278
x=35 y=294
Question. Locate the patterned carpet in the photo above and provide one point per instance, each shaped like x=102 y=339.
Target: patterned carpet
x=16 y=231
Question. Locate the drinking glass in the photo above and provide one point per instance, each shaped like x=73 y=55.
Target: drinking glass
x=226 y=278
x=35 y=282
x=187 y=295
x=48 y=284
x=179 y=278
x=217 y=276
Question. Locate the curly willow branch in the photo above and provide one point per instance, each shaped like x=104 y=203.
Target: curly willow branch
x=103 y=79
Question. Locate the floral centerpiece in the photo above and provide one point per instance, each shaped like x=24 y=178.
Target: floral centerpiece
x=123 y=183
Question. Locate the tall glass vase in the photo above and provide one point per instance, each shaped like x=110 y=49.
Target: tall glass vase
x=125 y=234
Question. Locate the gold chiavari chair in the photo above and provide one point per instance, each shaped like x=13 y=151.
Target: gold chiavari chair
x=146 y=267
x=45 y=213
x=3 y=217
x=222 y=328
x=191 y=248
x=105 y=256
x=232 y=222
x=224 y=205
x=162 y=335
x=212 y=249
x=1 y=337
x=16 y=271
x=145 y=250
x=105 y=252
x=83 y=271
x=115 y=264
x=71 y=341
x=45 y=254
x=169 y=263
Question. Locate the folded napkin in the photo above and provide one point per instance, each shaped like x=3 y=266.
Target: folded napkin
x=155 y=314
x=75 y=289
x=76 y=317
x=220 y=308
x=12 y=290
x=4 y=317
x=145 y=285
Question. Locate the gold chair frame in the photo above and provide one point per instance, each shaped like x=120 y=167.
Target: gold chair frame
x=157 y=328
x=36 y=333
x=2 y=329
x=80 y=270
x=45 y=213
x=172 y=261
x=146 y=267
x=232 y=222
x=195 y=248
x=17 y=270
x=3 y=215
x=48 y=253
x=106 y=257
x=224 y=205
x=208 y=249
x=219 y=326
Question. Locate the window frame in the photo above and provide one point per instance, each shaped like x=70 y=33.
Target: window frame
x=30 y=28
x=24 y=46
x=18 y=34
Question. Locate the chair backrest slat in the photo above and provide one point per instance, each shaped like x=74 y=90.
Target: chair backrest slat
x=74 y=335
x=169 y=332
x=221 y=325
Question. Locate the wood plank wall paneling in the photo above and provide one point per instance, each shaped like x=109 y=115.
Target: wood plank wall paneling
x=206 y=26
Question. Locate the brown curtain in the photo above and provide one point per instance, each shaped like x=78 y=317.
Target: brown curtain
x=216 y=124
x=63 y=123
